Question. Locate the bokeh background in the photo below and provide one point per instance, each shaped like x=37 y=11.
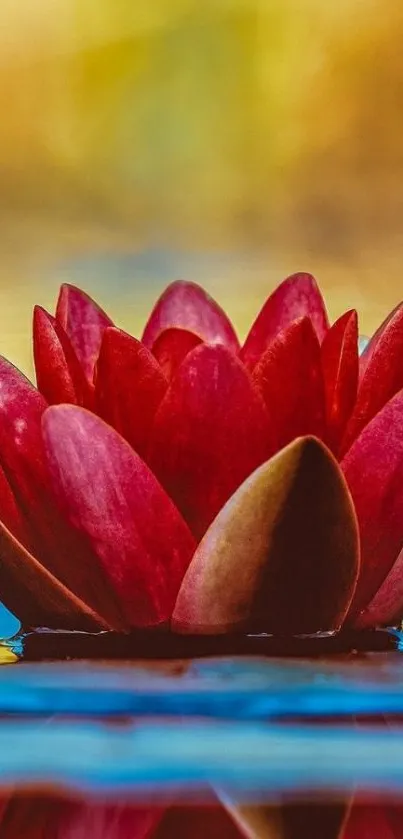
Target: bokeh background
x=229 y=141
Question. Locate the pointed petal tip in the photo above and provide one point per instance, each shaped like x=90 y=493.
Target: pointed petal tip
x=297 y=296
x=281 y=556
x=186 y=305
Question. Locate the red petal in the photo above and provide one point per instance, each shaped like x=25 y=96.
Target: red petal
x=314 y=820
x=45 y=817
x=111 y=496
x=374 y=472
x=36 y=596
x=171 y=347
x=54 y=542
x=381 y=375
x=374 y=821
x=340 y=371
x=386 y=608
x=372 y=343
x=129 y=387
x=84 y=322
x=59 y=375
x=187 y=306
x=198 y=823
x=298 y=296
x=281 y=556
x=289 y=376
x=210 y=432
x=10 y=513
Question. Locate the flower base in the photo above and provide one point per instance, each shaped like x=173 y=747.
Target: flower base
x=44 y=644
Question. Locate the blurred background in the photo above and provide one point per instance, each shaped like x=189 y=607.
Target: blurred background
x=228 y=141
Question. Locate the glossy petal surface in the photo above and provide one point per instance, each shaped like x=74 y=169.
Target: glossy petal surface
x=111 y=496
x=289 y=376
x=210 y=432
x=374 y=472
x=171 y=348
x=186 y=305
x=340 y=373
x=298 y=296
x=59 y=375
x=84 y=322
x=282 y=555
x=129 y=387
x=381 y=375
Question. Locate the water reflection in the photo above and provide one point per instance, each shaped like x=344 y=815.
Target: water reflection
x=220 y=747
x=44 y=815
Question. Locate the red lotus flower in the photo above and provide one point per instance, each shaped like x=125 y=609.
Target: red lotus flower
x=195 y=481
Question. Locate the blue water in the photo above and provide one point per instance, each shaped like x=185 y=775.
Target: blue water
x=9 y=624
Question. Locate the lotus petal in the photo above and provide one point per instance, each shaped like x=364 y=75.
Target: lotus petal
x=59 y=375
x=109 y=494
x=36 y=596
x=10 y=513
x=210 y=431
x=54 y=543
x=381 y=375
x=386 y=608
x=129 y=387
x=373 y=468
x=187 y=306
x=298 y=296
x=172 y=346
x=84 y=322
x=315 y=820
x=49 y=817
x=281 y=556
x=340 y=373
x=374 y=821
x=198 y=823
x=289 y=376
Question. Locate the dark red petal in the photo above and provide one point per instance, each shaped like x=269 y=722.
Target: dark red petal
x=199 y=823
x=59 y=375
x=340 y=372
x=386 y=608
x=53 y=541
x=281 y=556
x=289 y=376
x=374 y=821
x=210 y=432
x=381 y=375
x=39 y=816
x=374 y=472
x=111 y=496
x=285 y=820
x=315 y=820
x=372 y=343
x=10 y=513
x=187 y=306
x=129 y=387
x=171 y=347
x=36 y=596
x=298 y=296
x=84 y=322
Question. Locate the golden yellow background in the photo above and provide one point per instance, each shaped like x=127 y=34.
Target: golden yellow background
x=229 y=141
